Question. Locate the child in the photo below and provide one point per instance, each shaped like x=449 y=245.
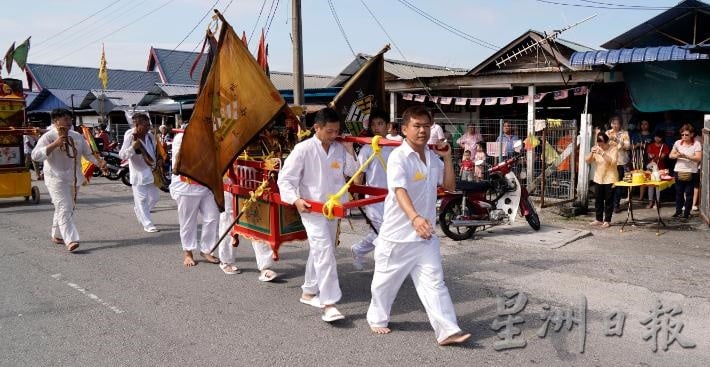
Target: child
x=466 y=167
x=479 y=157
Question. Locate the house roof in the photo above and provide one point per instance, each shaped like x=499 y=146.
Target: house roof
x=116 y=97
x=397 y=70
x=560 y=53
x=174 y=68
x=85 y=78
x=688 y=21
x=641 y=54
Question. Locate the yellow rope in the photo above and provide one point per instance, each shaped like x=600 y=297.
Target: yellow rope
x=334 y=200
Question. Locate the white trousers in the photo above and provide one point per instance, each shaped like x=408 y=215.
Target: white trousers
x=227 y=253
x=144 y=199
x=421 y=261
x=366 y=244
x=189 y=206
x=63 y=222
x=321 y=269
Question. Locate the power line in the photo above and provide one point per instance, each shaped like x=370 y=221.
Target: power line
x=116 y=30
x=77 y=23
x=340 y=26
x=273 y=15
x=263 y=3
x=426 y=89
x=615 y=7
x=448 y=27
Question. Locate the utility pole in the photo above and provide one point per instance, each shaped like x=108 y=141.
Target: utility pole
x=297 y=43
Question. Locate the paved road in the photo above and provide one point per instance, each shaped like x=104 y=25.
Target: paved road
x=125 y=299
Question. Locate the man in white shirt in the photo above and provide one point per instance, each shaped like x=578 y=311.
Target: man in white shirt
x=139 y=149
x=314 y=169
x=376 y=176
x=407 y=243
x=61 y=150
x=193 y=199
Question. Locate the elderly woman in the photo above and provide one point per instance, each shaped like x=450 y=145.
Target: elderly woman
x=687 y=152
x=603 y=157
x=468 y=140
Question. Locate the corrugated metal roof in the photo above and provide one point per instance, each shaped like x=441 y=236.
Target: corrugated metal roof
x=642 y=54
x=84 y=78
x=70 y=97
x=175 y=90
x=116 y=97
x=284 y=81
x=176 y=65
x=398 y=69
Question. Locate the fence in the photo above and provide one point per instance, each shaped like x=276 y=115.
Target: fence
x=546 y=170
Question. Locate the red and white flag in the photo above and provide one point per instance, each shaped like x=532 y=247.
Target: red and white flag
x=506 y=100
x=407 y=96
x=476 y=101
x=539 y=96
x=580 y=91
x=523 y=99
x=461 y=101
x=446 y=100
x=490 y=101
x=419 y=97
x=434 y=99
x=561 y=94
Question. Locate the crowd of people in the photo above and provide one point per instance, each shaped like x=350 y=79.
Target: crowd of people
x=402 y=235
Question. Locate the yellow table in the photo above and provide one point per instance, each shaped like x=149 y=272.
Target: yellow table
x=660 y=185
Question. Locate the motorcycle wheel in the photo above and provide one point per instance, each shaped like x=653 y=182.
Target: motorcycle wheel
x=449 y=212
x=532 y=217
x=112 y=175
x=126 y=178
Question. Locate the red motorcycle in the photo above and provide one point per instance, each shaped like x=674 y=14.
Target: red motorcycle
x=487 y=203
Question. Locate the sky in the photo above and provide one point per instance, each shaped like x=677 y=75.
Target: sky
x=72 y=32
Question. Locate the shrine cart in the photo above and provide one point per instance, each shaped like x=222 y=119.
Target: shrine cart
x=15 y=179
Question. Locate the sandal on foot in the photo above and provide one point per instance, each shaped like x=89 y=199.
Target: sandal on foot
x=332 y=314
x=268 y=276
x=57 y=241
x=315 y=302
x=229 y=269
x=72 y=246
x=207 y=258
x=457 y=338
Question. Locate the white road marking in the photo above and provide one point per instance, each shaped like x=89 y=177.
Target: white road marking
x=91 y=296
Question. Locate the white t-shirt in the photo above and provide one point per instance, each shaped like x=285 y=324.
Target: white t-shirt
x=437 y=134
x=141 y=172
x=406 y=170
x=683 y=164
x=376 y=176
x=178 y=187
x=28 y=143
x=310 y=173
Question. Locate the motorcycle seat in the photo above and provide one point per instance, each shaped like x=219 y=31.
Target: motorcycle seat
x=471 y=186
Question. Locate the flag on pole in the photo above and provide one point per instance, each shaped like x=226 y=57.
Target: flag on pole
x=8 y=58
x=103 y=71
x=262 y=53
x=20 y=54
x=87 y=168
x=235 y=104
x=363 y=93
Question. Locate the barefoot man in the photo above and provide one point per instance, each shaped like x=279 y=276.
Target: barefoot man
x=314 y=169
x=193 y=199
x=407 y=244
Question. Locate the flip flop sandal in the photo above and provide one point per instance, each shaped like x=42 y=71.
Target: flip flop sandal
x=332 y=314
x=268 y=276
x=315 y=302
x=57 y=241
x=204 y=256
x=229 y=269
x=73 y=246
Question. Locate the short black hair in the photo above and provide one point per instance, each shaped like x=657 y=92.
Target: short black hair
x=379 y=114
x=59 y=113
x=326 y=115
x=141 y=116
x=415 y=111
x=602 y=137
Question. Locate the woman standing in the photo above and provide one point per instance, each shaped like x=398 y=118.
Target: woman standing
x=687 y=152
x=619 y=138
x=603 y=156
x=657 y=152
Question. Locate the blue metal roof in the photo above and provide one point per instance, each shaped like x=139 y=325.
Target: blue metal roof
x=643 y=54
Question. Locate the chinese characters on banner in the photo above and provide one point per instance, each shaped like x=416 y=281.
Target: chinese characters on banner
x=662 y=325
